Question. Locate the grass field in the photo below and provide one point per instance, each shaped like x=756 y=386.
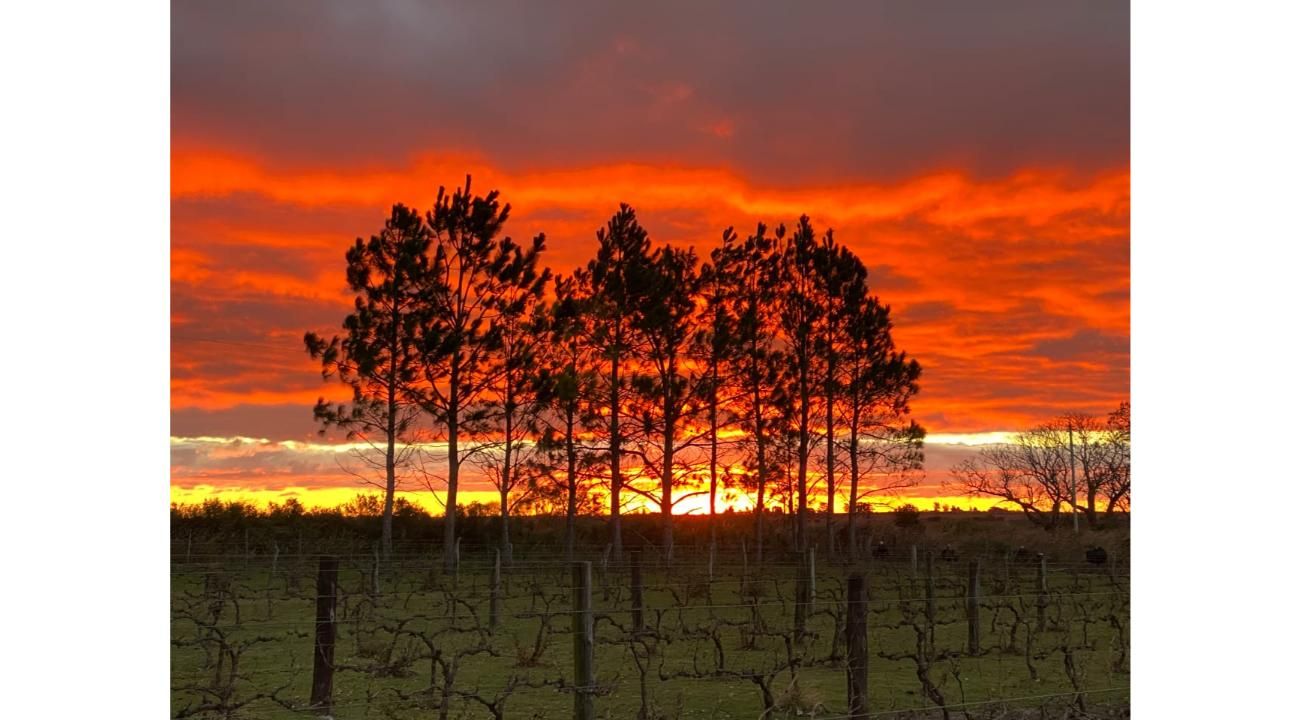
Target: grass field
x=414 y=642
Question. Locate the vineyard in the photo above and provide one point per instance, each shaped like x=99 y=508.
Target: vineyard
x=927 y=632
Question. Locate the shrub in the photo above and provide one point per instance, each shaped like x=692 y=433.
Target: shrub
x=907 y=516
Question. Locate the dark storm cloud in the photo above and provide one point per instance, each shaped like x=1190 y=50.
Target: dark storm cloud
x=785 y=92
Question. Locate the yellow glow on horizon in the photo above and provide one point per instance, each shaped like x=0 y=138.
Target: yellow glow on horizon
x=332 y=497
x=317 y=498
x=998 y=437
x=697 y=480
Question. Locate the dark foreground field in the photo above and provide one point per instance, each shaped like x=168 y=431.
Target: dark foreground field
x=415 y=642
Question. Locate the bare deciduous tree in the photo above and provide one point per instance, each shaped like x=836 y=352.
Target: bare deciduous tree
x=1070 y=462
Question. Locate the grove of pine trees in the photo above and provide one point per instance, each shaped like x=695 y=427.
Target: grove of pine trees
x=653 y=374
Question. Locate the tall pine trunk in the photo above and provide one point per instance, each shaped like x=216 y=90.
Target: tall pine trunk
x=760 y=448
x=615 y=447
x=830 y=456
x=801 y=522
x=713 y=457
x=571 y=506
x=506 y=554
x=453 y=467
x=390 y=456
x=666 y=500
x=390 y=475
x=853 y=488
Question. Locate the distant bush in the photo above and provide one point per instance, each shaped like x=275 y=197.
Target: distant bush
x=907 y=516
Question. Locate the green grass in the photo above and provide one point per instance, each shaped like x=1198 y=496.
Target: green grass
x=278 y=612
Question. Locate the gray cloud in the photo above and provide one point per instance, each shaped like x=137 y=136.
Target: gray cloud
x=1084 y=344
x=779 y=91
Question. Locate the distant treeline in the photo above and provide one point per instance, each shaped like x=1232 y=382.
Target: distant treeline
x=226 y=528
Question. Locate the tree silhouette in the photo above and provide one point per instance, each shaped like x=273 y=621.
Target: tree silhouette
x=566 y=383
x=1116 y=443
x=749 y=269
x=636 y=372
x=878 y=385
x=1033 y=472
x=613 y=279
x=514 y=398
x=663 y=320
x=801 y=311
x=377 y=356
x=835 y=268
x=476 y=279
x=715 y=344
x=1100 y=449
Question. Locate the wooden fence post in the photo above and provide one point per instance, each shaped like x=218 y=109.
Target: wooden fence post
x=973 y=607
x=855 y=630
x=1042 y=592
x=638 y=594
x=914 y=568
x=322 y=673
x=584 y=667
x=494 y=597
x=713 y=550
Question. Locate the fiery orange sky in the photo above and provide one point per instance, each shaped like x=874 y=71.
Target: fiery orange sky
x=974 y=155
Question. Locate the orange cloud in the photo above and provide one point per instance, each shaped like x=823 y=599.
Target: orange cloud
x=1012 y=292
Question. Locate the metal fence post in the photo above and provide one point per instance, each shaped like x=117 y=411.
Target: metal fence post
x=584 y=667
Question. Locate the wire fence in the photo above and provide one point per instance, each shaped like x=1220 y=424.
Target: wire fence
x=712 y=636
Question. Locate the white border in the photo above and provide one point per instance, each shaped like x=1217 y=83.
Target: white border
x=84 y=356
x=85 y=211
x=1214 y=159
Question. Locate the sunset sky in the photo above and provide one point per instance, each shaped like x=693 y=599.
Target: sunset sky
x=975 y=155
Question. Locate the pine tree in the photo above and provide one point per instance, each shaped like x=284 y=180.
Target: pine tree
x=613 y=279
x=801 y=311
x=377 y=356
x=879 y=382
x=513 y=399
x=749 y=269
x=566 y=382
x=714 y=347
x=474 y=277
